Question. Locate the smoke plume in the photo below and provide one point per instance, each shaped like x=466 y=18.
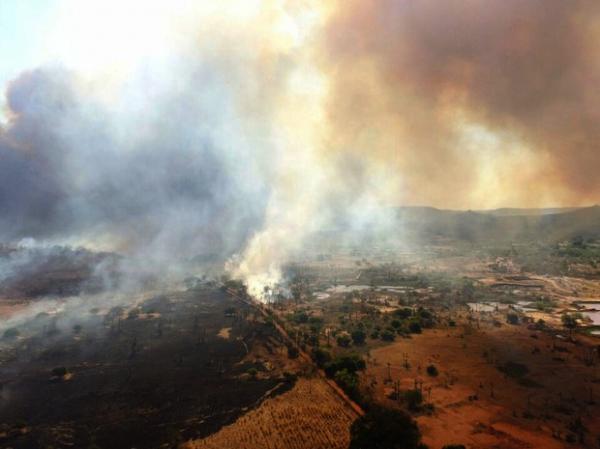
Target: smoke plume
x=234 y=131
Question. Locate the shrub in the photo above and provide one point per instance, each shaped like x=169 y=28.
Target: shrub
x=321 y=356
x=11 y=333
x=358 y=337
x=299 y=317
x=413 y=398
x=414 y=327
x=387 y=335
x=315 y=321
x=289 y=377
x=424 y=314
x=59 y=371
x=512 y=318
x=348 y=381
x=432 y=370
x=514 y=370
x=293 y=352
x=343 y=340
x=403 y=313
x=351 y=363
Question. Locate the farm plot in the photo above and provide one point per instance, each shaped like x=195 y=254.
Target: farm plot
x=310 y=416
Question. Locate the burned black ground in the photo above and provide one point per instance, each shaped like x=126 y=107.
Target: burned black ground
x=150 y=377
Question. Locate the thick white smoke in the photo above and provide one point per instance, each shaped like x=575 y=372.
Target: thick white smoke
x=172 y=134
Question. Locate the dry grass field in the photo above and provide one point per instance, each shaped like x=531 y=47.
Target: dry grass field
x=310 y=416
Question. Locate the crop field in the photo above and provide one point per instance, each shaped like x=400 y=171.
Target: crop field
x=309 y=416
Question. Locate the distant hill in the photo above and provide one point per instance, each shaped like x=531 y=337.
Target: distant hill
x=517 y=211
x=502 y=224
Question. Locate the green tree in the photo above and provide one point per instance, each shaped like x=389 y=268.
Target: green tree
x=414 y=327
x=569 y=322
x=321 y=356
x=387 y=335
x=358 y=337
x=348 y=381
x=383 y=428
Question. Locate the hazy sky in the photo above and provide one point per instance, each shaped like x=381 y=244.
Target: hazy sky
x=471 y=104
x=229 y=126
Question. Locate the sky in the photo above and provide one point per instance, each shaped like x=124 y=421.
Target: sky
x=240 y=127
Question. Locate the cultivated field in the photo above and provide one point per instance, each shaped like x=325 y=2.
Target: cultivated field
x=310 y=416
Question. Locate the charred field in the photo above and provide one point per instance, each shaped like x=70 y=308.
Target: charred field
x=151 y=375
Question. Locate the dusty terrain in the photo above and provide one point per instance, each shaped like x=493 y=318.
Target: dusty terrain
x=475 y=403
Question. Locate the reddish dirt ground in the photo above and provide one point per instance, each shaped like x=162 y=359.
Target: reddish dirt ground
x=476 y=404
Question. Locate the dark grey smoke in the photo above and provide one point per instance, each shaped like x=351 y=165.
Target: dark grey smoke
x=163 y=173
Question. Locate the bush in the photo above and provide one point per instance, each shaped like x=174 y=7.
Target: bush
x=387 y=335
x=11 y=333
x=315 y=321
x=312 y=340
x=414 y=327
x=383 y=428
x=432 y=370
x=514 y=370
x=293 y=352
x=414 y=399
x=348 y=381
x=351 y=363
x=424 y=314
x=299 y=317
x=290 y=377
x=59 y=371
x=358 y=337
x=321 y=356
x=403 y=313
x=343 y=340
x=512 y=318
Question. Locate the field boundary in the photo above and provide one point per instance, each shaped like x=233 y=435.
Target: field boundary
x=335 y=387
